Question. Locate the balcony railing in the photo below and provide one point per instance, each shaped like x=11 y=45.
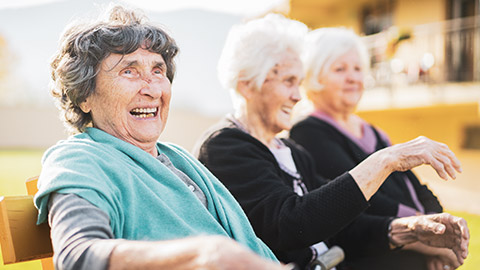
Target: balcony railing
x=435 y=53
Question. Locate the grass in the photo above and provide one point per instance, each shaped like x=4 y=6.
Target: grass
x=17 y=166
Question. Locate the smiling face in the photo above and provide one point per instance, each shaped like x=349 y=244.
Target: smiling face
x=131 y=99
x=273 y=104
x=343 y=84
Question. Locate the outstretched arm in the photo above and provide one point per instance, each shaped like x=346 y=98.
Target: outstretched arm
x=371 y=172
x=82 y=239
x=204 y=252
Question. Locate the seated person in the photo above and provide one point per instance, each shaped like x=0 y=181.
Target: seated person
x=114 y=197
x=338 y=140
x=335 y=63
x=289 y=206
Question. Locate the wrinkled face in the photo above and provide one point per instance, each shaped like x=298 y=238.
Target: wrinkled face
x=343 y=82
x=279 y=93
x=131 y=98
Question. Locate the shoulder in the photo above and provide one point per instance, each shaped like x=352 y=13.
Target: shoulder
x=223 y=138
x=313 y=129
x=311 y=123
x=78 y=148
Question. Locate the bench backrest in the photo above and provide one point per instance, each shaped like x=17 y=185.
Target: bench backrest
x=20 y=238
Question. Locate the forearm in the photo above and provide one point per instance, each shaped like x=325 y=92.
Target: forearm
x=204 y=252
x=175 y=254
x=371 y=172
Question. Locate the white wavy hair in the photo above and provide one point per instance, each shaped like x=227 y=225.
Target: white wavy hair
x=325 y=45
x=253 y=48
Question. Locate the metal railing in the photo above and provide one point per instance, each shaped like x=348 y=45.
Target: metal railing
x=434 y=53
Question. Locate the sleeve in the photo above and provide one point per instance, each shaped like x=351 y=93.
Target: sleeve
x=333 y=158
x=80 y=232
x=367 y=235
x=280 y=217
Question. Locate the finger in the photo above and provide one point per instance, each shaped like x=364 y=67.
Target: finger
x=439 y=265
x=449 y=258
x=464 y=233
x=462 y=223
x=447 y=165
x=454 y=160
x=431 y=264
x=459 y=254
x=438 y=167
x=436 y=228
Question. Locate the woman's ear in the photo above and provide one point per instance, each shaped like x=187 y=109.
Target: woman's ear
x=245 y=89
x=85 y=106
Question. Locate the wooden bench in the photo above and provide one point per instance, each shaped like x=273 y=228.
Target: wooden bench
x=20 y=238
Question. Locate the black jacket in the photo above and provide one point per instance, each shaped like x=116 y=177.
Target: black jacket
x=286 y=222
x=334 y=153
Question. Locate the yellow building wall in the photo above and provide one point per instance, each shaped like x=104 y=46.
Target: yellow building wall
x=409 y=13
x=444 y=123
x=330 y=13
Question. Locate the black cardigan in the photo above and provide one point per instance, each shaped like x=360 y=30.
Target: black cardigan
x=286 y=222
x=334 y=153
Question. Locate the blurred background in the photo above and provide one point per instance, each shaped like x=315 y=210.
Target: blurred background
x=424 y=80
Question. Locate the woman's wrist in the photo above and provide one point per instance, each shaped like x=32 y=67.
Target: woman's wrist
x=400 y=233
x=393 y=244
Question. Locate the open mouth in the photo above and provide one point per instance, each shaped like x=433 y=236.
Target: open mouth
x=144 y=112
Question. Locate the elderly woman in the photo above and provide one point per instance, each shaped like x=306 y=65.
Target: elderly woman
x=115 y=198
x=335 y=62
x=291 y=208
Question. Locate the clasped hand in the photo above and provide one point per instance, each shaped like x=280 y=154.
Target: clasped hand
x=436 y=230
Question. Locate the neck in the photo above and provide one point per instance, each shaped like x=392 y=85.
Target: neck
x=254 y=125
x=345 y=119
x=339 y=116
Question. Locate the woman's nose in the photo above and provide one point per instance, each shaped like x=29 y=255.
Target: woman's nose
x=296 y=94
x=354 y=76
x=149 y=88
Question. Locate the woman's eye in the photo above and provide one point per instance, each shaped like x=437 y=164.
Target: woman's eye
x=289 y=81
x=158 y=71
x=128 y=71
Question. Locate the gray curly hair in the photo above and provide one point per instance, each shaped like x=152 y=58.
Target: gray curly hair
x=84 y=46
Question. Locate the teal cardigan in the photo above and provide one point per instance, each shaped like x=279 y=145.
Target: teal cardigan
x=143 y=198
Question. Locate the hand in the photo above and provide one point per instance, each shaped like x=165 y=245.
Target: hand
x=372 y=171
x=441 y=263
x=437 y=230
x=433 y=263
x=422 y=150
x=437 y=258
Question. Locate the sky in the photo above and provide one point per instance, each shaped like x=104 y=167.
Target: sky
x=32 y=29
x=237 y=7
